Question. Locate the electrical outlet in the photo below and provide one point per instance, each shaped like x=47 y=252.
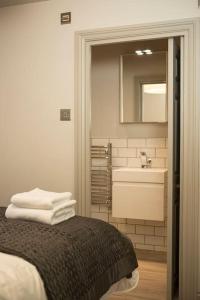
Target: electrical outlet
x=65 y=114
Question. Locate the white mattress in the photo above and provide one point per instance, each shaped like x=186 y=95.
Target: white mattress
x=20 y=280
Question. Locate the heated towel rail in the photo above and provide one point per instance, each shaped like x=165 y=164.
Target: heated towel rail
x=101 y=174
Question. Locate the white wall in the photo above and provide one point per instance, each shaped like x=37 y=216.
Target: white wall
x=37 y=78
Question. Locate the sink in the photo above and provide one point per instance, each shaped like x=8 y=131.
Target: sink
x=139 y=193
x=151 y=175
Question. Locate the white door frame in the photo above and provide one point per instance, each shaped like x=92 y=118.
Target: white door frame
x=190 y=30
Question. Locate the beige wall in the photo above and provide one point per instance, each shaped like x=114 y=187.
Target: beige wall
x=4 y=3
x=37 y=78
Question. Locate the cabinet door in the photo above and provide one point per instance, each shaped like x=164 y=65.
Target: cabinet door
x=144 y=201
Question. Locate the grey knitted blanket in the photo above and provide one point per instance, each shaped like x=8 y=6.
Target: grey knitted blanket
x=78 y=259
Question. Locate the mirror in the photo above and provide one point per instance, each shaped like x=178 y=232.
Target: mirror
x=143 y=97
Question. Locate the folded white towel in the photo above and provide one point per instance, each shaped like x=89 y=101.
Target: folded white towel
x=48 y=216
x=40 y=199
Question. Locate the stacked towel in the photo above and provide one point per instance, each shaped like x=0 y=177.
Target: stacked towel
x=40 y=199
x=41 y=206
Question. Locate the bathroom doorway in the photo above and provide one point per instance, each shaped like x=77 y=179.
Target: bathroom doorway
x=129 y=88
x=85 y=42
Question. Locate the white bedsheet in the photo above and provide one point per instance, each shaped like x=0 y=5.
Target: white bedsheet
x=20 y=280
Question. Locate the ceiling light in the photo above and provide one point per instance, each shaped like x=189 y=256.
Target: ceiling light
x=139 y=52
x=142 y=52
x=147 y=51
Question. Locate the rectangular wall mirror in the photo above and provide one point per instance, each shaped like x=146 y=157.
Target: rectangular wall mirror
x=143 y=87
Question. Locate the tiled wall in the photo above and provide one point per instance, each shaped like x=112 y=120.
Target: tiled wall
x=147 y=235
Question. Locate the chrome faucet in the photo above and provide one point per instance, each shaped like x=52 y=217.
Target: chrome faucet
x=145 y=160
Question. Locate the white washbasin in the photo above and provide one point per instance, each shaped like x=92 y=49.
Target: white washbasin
x=139 y=193
x=148 y=175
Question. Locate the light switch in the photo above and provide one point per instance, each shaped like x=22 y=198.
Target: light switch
x=65 y=114
x=65 y=18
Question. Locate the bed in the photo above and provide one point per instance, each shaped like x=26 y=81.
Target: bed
x=81 y=258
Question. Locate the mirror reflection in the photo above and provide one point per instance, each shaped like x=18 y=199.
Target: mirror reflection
x=143 y=87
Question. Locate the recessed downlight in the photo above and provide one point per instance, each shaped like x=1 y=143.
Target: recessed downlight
x=147 y=51
x=142 y=52
x=139 y=52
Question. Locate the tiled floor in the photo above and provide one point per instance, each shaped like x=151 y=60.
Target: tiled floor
x=152 y=283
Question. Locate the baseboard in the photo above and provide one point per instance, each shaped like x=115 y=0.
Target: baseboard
x=151 y=255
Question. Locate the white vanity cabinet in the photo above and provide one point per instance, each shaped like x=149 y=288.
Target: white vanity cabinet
x=139 y=193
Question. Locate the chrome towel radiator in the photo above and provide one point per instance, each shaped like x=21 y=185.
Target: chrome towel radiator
x=101 y=174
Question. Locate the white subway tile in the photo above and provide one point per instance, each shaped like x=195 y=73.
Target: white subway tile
x=114 y=152
x=134 y=162
x=166 y=163
x=151 y=152
x=100 y=142
x=154 y=240
x=104 y=208
x=95 y=208
x=161 y=248
x=99 y=162
x=119 y=162
x=166 y=142
x=98 y=167
x=116 y=220
x=161 y=231
x=162 y=152
x=136 y=238
x=100 y=216
x=134 y=221
x=156 y=142
x=146 y=235
x=136 y=143
x=146 y=230
x=155 y=223
x=127 y=152
x=158 y=163
x=165 y=207
x=126 y=228
x=144 y=247
x=118 y=143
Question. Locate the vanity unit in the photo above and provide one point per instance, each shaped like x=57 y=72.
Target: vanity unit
x=139 y=193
